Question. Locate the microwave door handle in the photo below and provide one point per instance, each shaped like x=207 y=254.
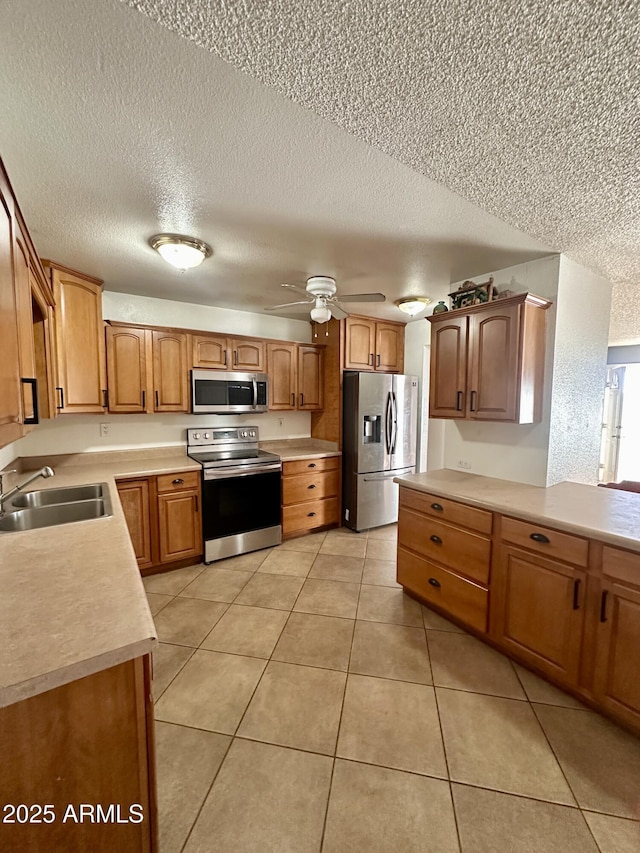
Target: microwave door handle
x=254 y=382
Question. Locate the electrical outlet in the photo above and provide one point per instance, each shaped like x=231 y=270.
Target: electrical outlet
x=280 y=422
x=464 y=463
x=104 y=430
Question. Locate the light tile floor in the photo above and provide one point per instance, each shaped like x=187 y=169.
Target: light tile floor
x=304 y=703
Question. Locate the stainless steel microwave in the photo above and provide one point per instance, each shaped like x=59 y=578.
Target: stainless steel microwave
x=228 y=393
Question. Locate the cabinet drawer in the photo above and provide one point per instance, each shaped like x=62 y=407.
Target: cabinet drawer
x=308 y=515
x=560 y=546
x=621 y=565
x=179 y=481
x=465 y=552
x=461 y=598
x=309 y=487
x=451 y=511
x=300 y=466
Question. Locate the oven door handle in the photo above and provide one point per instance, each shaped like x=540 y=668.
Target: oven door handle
x=240 y=471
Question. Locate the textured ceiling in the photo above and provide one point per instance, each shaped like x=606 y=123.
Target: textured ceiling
x=353 y=160
x=529 y=110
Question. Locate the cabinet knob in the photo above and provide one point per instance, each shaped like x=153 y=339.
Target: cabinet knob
x=178 y=481
x=311 y=465
x=540 y=537
x=312 y=486
x=434 y=582
x=437 y=507
x=310 y=514
x=436 y=539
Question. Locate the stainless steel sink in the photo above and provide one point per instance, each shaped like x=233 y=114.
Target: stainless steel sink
x=70 y=494
x=49 y=516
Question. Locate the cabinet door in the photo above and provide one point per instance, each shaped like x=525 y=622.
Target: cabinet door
x=179 y=526
x=389 y=347
x=537 y=611
x=170 y=372
x=210 y=351
x=448 y=374
x=616 y=682
x=360 y=344
x=43 y=342
x=10 y=405
x=281 y=361
x=27 y=356
x=310 y=378
x=127 y=369
x=82 y=375
x=247 y=355
x=494 y=340
x=135 y=497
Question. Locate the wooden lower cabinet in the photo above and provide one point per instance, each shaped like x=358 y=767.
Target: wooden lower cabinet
x=163 y=516
x=310 y=490
x=537 y=611
x=88 y=742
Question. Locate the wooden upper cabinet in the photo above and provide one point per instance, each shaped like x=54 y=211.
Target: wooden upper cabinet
x=27 y=355
x=360 y=344
x=448 y=382
x=373 y=345
x=282 y=369
x=210 y=351
x=170 y=371
x=537 y=611
x=487 y=361
x=82 y=375
x=310 y=378
x=10 y=392
x=127 y=369
x=247 y=354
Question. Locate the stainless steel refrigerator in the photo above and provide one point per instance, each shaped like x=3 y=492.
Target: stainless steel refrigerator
x=380 y=412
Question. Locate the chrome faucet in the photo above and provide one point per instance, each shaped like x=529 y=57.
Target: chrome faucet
x=4 y=496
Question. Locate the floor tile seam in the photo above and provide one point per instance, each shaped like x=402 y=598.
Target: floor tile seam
x=482 y=693
x=389 y=678
x=346 y=681
x=171 y=599
x=555 y=755
x=175 y=675
x=527 y=797
x=188 y=645
x=444 y=749
x=208 y=791
x=248 y=739
x=416 y=773
x=635 y=821
x=326 y=809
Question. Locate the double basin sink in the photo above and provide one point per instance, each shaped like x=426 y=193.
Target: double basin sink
x=50 y=507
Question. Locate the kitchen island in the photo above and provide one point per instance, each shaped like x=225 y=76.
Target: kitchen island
x=550 y=576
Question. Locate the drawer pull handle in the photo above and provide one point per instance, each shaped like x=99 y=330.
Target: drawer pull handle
x=540 y=537
x=311 y=465
x=434 y=582
x=576 y=594
x=312 y=486
x=437 y=507
x=310 y=514
x=603 y=605
x=178 y=481
x=436 y=539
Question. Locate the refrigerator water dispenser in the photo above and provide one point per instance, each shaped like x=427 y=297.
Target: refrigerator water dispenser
x=372 y=433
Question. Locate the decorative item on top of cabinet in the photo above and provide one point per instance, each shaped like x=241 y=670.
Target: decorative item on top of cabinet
x=310 y=490
x=296 y=376
x=82 y=375
x=487 y=361
x=163 y=516
x=373 y=345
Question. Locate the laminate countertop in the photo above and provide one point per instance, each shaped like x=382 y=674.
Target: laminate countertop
x=72 y=601
x=301 y=448
x=609 y=515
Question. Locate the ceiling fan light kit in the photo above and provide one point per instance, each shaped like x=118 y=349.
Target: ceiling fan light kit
x=182 y=252
x=412 y=305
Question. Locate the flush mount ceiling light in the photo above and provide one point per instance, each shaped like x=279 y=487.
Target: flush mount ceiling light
x=412 y=305
x=181 y=252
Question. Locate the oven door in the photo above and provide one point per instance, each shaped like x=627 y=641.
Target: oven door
x=239 y=500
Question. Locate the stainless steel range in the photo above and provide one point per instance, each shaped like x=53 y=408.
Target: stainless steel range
x=240 y=491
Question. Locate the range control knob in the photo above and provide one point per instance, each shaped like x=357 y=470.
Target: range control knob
x=243 y=434
x=207 y=435
x=196 y=436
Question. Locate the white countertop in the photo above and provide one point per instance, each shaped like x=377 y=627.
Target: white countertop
x=71 y=597
x=609 y=515
x=291 y=449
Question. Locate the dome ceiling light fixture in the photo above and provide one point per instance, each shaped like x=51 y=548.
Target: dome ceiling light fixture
x=182 y=252
x=412 y=305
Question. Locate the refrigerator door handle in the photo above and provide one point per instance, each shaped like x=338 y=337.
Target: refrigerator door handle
x=388 y=425
x=399 y=472
x=395 y=421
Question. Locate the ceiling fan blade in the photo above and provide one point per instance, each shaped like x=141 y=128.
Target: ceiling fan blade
x=337 y=311
x=296 y=288
x=306 y=303
x=362 y=297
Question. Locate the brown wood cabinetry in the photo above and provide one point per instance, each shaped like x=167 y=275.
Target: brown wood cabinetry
x=373 y=345
x=487 y=361
x=296 y=376
x=218 y=352
x=81 y=375
x=163 y=516
x=310 y=490
x=89 y=741
x=170 y=372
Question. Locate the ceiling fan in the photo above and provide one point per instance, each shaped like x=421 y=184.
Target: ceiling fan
x=321 y=297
